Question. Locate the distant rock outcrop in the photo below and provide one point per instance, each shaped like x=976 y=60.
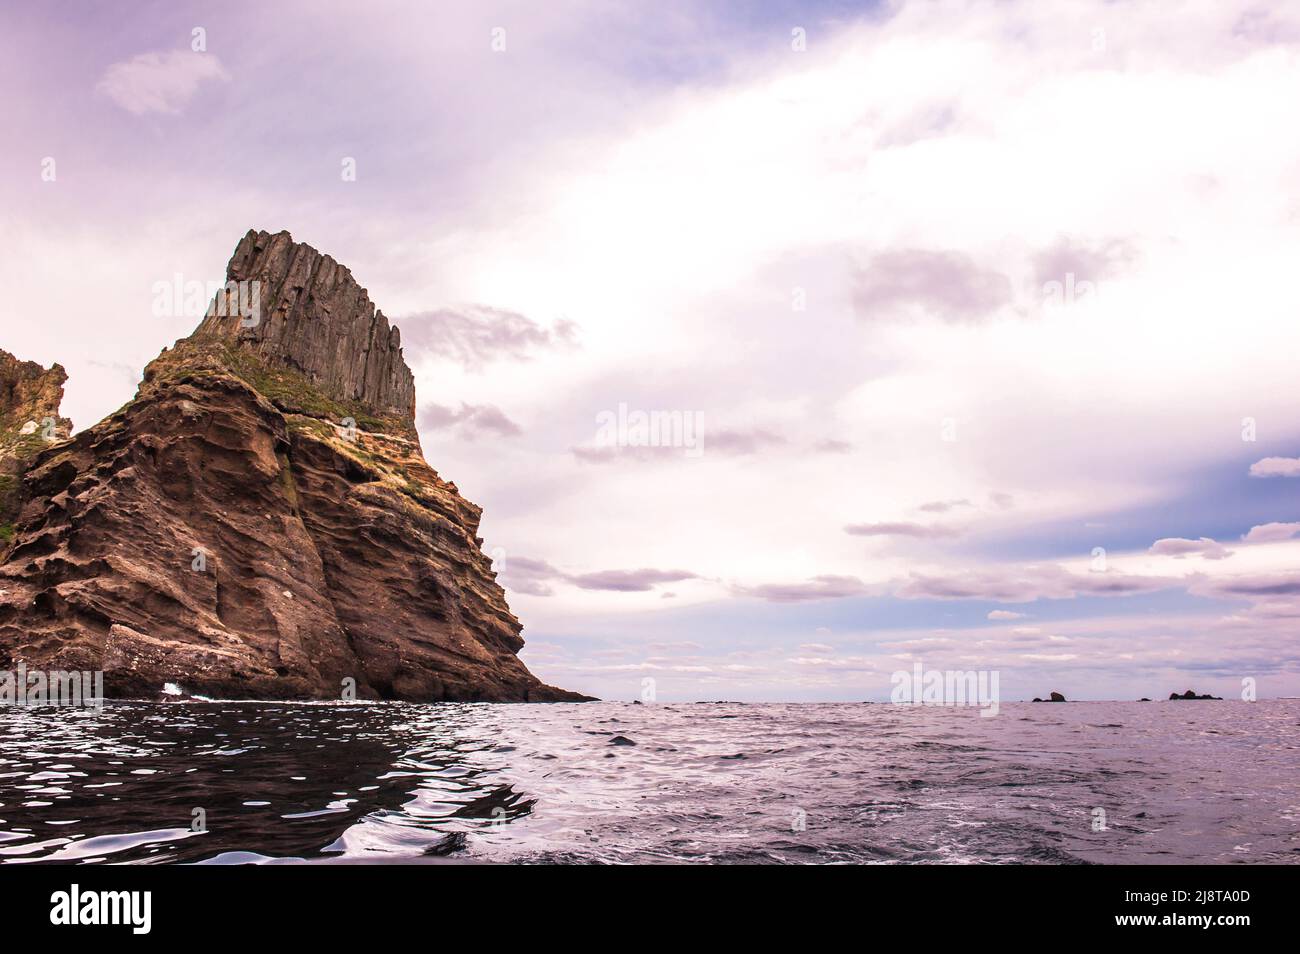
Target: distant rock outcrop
x=1189 y=694
x=29 y=422
x=259 y=522
x=1055 y=697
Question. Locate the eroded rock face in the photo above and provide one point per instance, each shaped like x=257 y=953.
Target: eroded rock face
x=225 y=531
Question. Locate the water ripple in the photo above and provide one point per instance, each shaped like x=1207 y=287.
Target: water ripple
x=236 y=783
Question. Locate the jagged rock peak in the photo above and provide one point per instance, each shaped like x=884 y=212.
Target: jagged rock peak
x=308 y=313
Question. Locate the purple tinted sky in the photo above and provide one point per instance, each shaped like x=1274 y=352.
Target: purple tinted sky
x=956 y=293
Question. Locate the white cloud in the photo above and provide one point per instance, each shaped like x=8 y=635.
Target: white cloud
x=1276 y=467
x=1178 y=547
x=160 y=82
x=819 y=648
x=901 y=528
x=1271 y=532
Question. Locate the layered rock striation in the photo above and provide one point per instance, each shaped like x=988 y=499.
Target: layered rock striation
x=259 y=522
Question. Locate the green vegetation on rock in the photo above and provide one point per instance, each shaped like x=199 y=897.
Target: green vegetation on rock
x=293 y=393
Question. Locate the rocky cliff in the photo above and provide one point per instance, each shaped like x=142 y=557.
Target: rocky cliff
x=259 y=522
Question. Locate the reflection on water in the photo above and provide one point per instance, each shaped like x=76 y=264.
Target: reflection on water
x=234 y=782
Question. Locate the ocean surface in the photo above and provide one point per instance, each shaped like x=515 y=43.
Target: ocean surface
x=225 y=782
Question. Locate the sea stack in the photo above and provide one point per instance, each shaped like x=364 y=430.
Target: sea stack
x=259 y=522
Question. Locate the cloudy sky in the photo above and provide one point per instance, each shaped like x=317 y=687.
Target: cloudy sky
x=980 y=318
